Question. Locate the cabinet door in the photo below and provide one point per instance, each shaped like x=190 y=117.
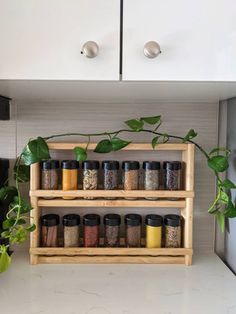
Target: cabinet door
x=197 y=40
x=42 y=39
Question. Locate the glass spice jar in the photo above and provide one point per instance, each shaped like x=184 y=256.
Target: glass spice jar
x=110 y=175
x=49 y=230
x=71 y=230
x=112 y=230
x=153 y=231
x=172 y=176
x=133 y=230
x=91 y=230
x=90 y=175
x=151 y=176
x=69 y=176
x=172 y=231
x=130 y=176
x=50 y=174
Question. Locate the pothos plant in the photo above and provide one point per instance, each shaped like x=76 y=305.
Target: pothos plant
x=16 y=226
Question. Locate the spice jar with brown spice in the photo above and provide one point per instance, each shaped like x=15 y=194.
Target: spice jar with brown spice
x=71 y=230
x=130 y=176
x=91 y=224
x=50 y=172
x=110 y=175
x=112 y=230
x=172 y=231
x=90 y=175
x=151 y=176
x=133 y=230
x=49 y=230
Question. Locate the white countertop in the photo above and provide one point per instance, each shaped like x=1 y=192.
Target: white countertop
x=207 y=287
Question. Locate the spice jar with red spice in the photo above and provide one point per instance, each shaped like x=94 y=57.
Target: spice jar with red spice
x=91 y=224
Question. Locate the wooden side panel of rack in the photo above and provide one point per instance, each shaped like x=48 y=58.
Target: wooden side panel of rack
x=115 y=255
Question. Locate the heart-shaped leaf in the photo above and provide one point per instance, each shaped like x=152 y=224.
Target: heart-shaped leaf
x=218 y=150
x=228 y=184
x=7 y=194
x=5 y=259
x=8 y=223
x=35 y=151
x=151 y=120
x=118 y=143
x=190 y=135
x=230 y=210
x=22 y=173
x=218 y=163
x=80 y=153
x=135 y=124
x=155 y=141
x=104 y=146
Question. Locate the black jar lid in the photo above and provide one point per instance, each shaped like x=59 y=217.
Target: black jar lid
x=110 y=165
x=154 y=220
x=91 y=220
x=172 y=165
x=70 y=164
x=112 y=220
x=50 y=164
x=71 y=220
x=151 y=165
x=50 y=220
x=133 y=219
x=130 y=165
x=172 y=220
x=90 y=164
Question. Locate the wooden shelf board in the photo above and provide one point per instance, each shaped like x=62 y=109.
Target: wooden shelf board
x=132 y=146
x=111 y=193
x=111 y=203
x=110 y=251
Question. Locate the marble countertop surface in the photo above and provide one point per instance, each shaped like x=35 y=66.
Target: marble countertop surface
x=207 y=287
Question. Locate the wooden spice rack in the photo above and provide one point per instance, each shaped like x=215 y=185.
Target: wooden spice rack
x=115 y=255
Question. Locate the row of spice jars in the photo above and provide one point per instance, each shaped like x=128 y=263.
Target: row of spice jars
x=133 y=230
x=50 y=175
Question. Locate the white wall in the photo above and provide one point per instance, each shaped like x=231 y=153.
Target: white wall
x=34 y=119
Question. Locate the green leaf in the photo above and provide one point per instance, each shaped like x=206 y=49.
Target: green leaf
x=228 y=184
x=104 y=146
x=218 y=163
x=155 y=141
x=190 y=135
x=7 y=194
x=8 y=223
x=230 y=211
x=19 y=236
x=35 y=151
x=151 y=120
x=23 y=206
x=5 y=234
x=80 y=153
x=5 y=259
x=224 y=198
x=31 y=228
x=219 y=149
x=21 y=221
x=221 y=220
x=118 y=143
x=135 y=124
x=22 y=173
x=165 y=138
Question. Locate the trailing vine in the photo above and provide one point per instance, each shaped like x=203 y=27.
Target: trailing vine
x=16 y=225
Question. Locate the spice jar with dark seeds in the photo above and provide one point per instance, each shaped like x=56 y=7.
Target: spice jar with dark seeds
x=91 y=224
x=151 y=176
x=172 y=176
x=69 y=176
x=133 y=230
x=110 y=175
x=172 y=231
x=112 y=230
x=71 y=230
x=49 y=230
x=50 y=174
x=130 y=176
x=90 y=175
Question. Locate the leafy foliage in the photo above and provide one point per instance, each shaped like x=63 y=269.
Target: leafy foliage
x=5 y=259
x=135 y=124
x=114 y=144
x=218 y=163
x=80 y=153
x=151 y=120
x=35 y=151
x=189 y=136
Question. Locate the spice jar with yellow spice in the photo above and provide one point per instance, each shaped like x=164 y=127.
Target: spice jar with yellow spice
x=153 y=231
x=69 y=176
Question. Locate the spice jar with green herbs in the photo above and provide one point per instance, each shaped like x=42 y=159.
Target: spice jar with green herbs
x=49 y=230
x=110 y=175
x=133 y=230
x=112 y=230
x=91 y=230
x=151 y=176
x=90 y=175
x=172 y=231
x=50 y=174
x=71 y=230
x=130 y=176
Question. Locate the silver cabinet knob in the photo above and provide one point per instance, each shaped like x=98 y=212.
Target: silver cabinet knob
x=90 y=49
x=151 y=49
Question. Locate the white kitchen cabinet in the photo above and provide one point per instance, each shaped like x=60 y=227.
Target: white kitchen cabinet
x=42 y=39
x=197 y=40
